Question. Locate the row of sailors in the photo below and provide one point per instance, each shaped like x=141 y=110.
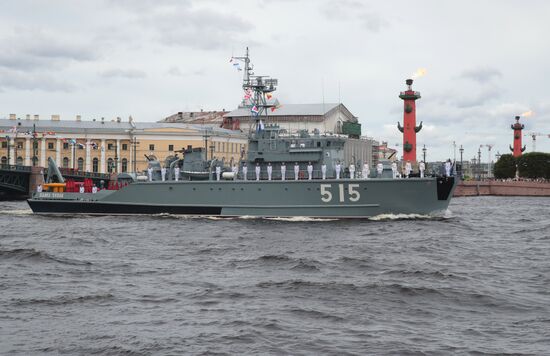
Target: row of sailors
x=365 y=172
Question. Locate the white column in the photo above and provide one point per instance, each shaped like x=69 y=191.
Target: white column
x=131 y=160
x=88 y=160
x=11 y=147
x=118 y=165
x=102 y=167
x=71 y=156
x=58 y=152
x=27 y=151
x=43 y=152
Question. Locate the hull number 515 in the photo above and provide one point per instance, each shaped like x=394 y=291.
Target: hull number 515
x=353 y=193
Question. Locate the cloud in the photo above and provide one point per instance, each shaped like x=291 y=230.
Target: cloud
x=350 y=10
x=123 y=73
x=180 y=23
x=477 y=99
x=175 y=71
x=204 y=29
x=481 y=75
x=10 y=79
x=32 y=49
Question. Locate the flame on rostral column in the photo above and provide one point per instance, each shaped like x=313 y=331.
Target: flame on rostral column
x=420 y=72
x=528 y=113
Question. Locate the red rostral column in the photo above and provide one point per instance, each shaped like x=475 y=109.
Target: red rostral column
x=409 y=127
x=517 y=149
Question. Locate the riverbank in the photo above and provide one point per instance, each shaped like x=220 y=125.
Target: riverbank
x=509 y=188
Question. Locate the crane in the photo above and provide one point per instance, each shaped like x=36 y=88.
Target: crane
x=533 y=136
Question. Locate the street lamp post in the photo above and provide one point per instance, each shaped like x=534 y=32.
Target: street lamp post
x=461 y=149
x=424 y=153
x=34 y=146
x=8 y=145
x=479 y=163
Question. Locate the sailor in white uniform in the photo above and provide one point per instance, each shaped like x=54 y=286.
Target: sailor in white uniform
x=422 y=168
x=177 y=173
x=296 y=171
x=309 y=171
x=379 y=170
x=338 y=169
x=235 y=171
x=218 y=172
x=94 y=189
x=269 y=171
x=408 y=169
x=39 y=188
x=366 y=171
x=352 y=171
x=448 y=167
x=258 y=170
x=245 y=171
x=163 y=173
x=324 y=171
x=283 y=171
x=81 y=189
x=394 y=170
x=150 y=173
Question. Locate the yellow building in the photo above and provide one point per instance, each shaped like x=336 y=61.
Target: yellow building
x=105 y=146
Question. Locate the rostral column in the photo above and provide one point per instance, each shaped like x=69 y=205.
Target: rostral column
x=409 y=128
x=517 y=149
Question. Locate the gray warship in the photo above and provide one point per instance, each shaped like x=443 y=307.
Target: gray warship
x=281 y=175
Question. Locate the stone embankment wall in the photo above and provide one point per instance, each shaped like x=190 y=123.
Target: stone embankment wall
x=519 y=188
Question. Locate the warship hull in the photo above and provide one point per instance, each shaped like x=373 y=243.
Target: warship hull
x=343 y=198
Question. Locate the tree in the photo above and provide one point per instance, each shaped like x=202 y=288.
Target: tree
x=534 y=165
x=505 y=167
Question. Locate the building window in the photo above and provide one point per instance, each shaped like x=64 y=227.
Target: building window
x=110 y=165
x=80 y=164
x=125 y=147
x=19 y=161
x=124 y=165
x=35 y=161
x=65 y=145
x=4 y=160
x=223 y=146
x=50 y=145
x=110 y=146
x=80 y=146
x=4 y=144
x=151 y=147
x=35 y=145
x=95 y=165
x=65 y=162
x=19 y=145
x=170 y=148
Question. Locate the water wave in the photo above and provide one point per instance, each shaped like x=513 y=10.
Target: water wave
x=16 y=212
x=300 y=219
x=64 y=300
x=293 y=263
x=38 y=256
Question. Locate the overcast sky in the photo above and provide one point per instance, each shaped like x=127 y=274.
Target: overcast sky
x=486 y=61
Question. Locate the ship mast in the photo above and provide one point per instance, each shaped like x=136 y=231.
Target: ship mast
x=256 y=88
